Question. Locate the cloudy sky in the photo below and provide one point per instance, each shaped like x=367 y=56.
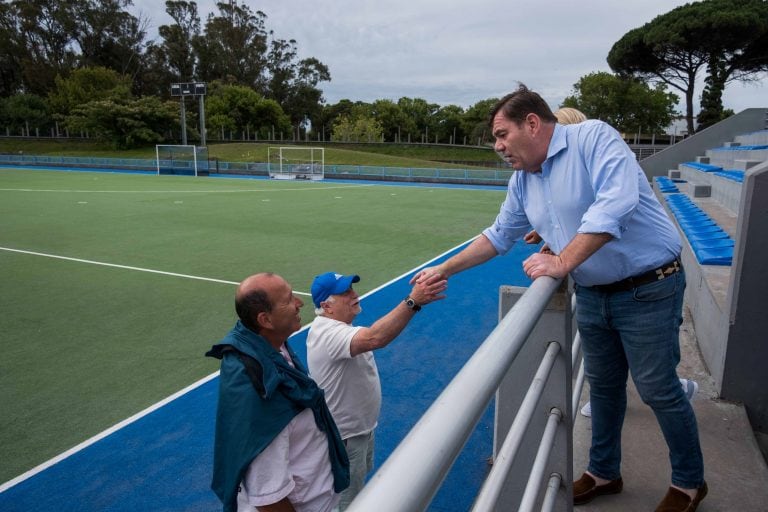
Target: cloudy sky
x=456 y=51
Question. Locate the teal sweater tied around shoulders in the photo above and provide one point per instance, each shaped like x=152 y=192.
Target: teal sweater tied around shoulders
x=247 y=420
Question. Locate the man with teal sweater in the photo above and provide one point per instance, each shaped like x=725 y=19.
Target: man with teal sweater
x=277 y=447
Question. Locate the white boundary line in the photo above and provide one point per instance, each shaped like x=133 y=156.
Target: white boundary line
x=127 y=267
x=55 y=460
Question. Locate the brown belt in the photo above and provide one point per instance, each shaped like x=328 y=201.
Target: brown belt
x=630 y=283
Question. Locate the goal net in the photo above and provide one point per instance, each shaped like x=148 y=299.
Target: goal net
x=182 y=160
x=296 y=163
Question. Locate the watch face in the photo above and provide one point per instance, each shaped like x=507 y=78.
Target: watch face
x=412 y=304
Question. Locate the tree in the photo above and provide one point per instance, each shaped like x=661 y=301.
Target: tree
x=125 y=123
x=108 y=35
x=712 y=99
x=42 y=33
x=236 y=108
x=448 y=123
x=627 y=104
x=674 y=47
x=11 y=52
x=330 y=113
x=87 y=84
x=293 y=83
x=475 y=120
x=173 y=59
x=422 y=114
x=361 y=129
x=24 y=112
x=737 y=46
x=234 y=45
x=305 y=99
x=393 y=121
x=176 y=48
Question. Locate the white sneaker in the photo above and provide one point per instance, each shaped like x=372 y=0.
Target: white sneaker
x=691 y=387
x=586 y=410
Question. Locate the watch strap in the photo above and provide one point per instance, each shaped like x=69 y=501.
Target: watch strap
x=411 y=304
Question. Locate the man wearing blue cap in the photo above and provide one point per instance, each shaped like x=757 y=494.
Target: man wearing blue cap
x=340 y=359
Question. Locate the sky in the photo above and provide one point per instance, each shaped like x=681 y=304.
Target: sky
x=456 y=51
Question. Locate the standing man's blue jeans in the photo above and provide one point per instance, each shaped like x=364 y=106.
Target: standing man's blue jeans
x=637 y=331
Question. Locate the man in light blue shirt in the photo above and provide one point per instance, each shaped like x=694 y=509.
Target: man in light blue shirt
x=581 y=188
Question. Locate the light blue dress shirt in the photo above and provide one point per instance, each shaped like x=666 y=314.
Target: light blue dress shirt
x=589 y=183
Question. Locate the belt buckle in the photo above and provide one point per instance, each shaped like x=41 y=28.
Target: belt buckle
x=667 y=270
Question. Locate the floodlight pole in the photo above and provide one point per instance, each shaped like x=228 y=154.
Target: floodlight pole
x=202 y=120
x=191 y=89
x=183 y=122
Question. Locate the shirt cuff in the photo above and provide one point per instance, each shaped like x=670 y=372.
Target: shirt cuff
x=498 y=240
x=593 y=226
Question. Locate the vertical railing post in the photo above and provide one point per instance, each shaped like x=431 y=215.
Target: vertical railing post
x=554 y=325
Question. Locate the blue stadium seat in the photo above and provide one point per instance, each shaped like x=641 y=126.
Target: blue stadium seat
x=665 y=184
x=703 y=167
x=717 y=256
x=733 y=174
x=711 y=245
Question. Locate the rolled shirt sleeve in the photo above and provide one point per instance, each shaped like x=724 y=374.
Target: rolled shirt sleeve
x=512 y=222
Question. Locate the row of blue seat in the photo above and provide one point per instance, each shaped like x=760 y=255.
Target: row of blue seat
x=665 y=184
x=741 y=148
x=735 y=175
x=710 y=244
x=703 y=167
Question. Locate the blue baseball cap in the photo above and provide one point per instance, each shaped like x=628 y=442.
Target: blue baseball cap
x=329 y=284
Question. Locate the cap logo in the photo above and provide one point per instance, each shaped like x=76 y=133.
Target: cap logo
x=338 y=276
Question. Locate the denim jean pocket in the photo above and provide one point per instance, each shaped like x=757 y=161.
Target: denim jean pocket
x=658 y=290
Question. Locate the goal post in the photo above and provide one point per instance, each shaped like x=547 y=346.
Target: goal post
x=182 y=160
x=296 y=162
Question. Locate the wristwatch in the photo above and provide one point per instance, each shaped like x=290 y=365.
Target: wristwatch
x=411 y=304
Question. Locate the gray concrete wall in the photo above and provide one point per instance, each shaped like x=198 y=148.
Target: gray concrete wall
x=746 y=358
x=754 y=138
x=726 y=192
x=707 y=307
x=746 y=121
x=727 y=158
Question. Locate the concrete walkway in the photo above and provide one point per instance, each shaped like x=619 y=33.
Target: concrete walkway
x=735 y=469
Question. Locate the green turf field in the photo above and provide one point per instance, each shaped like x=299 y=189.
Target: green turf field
x=86 y=345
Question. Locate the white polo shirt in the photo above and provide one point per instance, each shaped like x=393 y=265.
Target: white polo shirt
x=295 y=465
x=351 y=384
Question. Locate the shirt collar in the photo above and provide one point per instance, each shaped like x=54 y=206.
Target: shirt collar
x=557 y=143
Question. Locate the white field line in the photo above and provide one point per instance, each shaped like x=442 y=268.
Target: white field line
x=127 y=267
x=141 y=414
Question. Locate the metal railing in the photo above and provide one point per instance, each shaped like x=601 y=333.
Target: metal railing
x=538 y=326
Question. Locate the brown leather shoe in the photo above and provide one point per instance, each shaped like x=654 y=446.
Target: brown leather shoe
x=677 y=501
x=585 y=489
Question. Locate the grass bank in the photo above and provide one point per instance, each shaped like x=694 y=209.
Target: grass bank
x=387 y=155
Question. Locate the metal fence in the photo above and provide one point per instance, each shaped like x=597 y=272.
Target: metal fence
x=480 y=176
